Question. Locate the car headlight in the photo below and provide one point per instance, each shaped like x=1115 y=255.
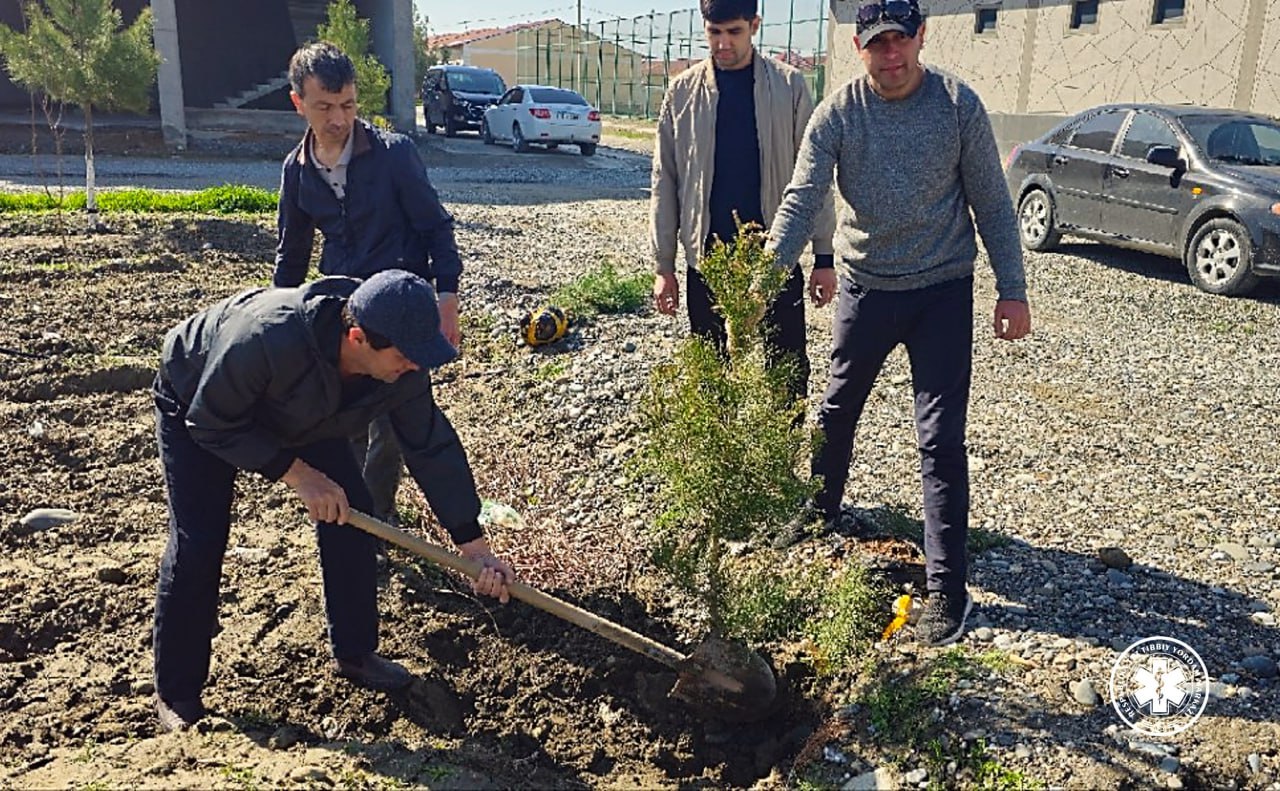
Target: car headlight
x=1275 y=209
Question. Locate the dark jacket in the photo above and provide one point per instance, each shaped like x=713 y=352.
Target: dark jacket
x=258 y=376
x=391 y=217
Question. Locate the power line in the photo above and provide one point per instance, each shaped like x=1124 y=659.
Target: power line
x=466 y=23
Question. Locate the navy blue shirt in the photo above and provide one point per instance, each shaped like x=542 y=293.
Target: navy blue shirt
x=735 y=181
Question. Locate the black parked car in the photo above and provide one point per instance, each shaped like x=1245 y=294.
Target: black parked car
x=455 y=97
x=1198 y=184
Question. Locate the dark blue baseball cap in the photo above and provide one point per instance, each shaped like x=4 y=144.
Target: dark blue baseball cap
x=401 y=307
x=881 y=16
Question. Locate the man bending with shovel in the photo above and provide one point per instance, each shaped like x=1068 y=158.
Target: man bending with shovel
x=276 y=381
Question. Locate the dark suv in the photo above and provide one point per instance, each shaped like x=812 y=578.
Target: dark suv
x=455 y=97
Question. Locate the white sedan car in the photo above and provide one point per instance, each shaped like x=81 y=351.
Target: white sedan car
x=528 y=114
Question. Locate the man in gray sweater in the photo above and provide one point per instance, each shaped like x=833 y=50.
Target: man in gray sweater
x=916 y=167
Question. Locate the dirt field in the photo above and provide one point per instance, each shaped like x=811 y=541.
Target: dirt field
x=1075 y=444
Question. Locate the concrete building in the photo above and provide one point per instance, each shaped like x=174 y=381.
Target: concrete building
x=224 y=64
x=1034 y=62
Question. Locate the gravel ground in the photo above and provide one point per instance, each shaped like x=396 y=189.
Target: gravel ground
x=1139 y=415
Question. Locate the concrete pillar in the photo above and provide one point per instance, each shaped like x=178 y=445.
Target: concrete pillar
x=1250 y=51
x=1032 y=12
x=173 y=110
x=391 y=34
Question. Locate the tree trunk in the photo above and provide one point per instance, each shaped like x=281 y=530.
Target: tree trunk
x=90 y=178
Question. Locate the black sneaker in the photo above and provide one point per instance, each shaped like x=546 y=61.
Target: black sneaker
x=942 y=621
x=811 y=522
x=178 y=715
x=374 y=672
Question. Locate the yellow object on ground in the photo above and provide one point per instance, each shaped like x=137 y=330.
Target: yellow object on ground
x=901 y=609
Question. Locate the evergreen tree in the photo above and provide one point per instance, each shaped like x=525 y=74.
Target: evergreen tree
x=79 y=52
x=351 y=35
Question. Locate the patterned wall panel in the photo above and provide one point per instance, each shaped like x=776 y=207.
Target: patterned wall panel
x=1266 y=88
x=1124 y=57
x=991 y=62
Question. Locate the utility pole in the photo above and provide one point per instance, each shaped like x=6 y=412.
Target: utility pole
x=577 y=51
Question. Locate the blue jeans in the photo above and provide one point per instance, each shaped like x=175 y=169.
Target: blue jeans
x=936 y=326
x=200 y=486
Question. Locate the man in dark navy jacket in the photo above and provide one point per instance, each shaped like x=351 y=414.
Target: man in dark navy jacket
x=275 y=381
x=368 y=193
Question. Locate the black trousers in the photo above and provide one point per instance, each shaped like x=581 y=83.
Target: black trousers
x=936 y=326
x=200 y=487
x=783 y=325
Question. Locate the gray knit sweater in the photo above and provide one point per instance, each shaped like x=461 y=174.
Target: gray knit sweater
x=909 y=173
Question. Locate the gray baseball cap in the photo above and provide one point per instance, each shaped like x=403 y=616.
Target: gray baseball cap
x=401 y=307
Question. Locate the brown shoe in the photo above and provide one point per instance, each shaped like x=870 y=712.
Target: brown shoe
x=178 y=715
x=374 y=672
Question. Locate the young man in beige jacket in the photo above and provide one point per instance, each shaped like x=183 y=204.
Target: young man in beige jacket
x=728 y=135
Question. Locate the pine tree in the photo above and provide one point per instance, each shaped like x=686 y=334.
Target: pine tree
x=351 y=35
x=79 y=52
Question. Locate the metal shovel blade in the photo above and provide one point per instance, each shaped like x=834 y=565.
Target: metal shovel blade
x=727 y=680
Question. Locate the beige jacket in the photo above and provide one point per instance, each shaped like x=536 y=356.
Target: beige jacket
x=684 y=156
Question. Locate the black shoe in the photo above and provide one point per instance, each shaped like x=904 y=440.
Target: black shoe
x=942 y=621
x=374 y=672
x=811 y=522
x=178 y=715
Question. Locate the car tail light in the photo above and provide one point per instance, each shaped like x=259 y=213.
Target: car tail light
x=540 y=112
x=594 y=115
x=1013 y=154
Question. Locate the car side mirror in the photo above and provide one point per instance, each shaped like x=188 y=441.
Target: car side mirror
x=1165 y=157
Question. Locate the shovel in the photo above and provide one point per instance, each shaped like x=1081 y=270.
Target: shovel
x=720 y=678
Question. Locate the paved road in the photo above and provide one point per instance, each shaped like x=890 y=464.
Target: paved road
x=453 y=162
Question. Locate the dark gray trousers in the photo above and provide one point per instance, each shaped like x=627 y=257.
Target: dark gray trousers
x=936 y=326
x=200 y=488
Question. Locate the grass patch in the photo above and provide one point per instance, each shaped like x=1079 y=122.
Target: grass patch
x=840 y=615
x=226 y=199
x=851 y=616
x=630 y=133
x=551 y=370
x=241 y=777
x=604 y=290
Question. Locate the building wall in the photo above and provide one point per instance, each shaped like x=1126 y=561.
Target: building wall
x=1223 y=53
x=260 y=33
x=497 y=53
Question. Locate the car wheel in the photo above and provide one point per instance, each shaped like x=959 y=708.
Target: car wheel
x=1036 y=227
x=450 y=126
x=587 y=149
x=517 y=139
x=1220 y=258
x=485 y=134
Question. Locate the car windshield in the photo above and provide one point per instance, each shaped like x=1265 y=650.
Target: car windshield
x=476 y=82
x=1240 y=141
x=556 y=96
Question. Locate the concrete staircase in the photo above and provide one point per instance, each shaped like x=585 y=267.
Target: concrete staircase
x=248 y=95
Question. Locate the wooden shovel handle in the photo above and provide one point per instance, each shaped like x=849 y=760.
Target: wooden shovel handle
x=607 y=629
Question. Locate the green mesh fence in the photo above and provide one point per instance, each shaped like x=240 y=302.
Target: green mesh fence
x=623 y=66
